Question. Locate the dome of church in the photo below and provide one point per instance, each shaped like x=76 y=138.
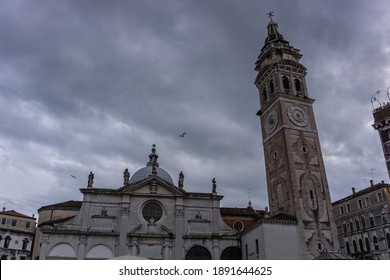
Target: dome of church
x=147 y=171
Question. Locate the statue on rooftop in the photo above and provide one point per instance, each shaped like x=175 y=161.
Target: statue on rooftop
x=214 y=190
x=181 y=180
x=90 y=180
x=126 y=177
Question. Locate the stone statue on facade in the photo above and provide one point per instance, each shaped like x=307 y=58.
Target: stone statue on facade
x=181 y=180
x=214 y=190
x=90 y=180
x=126 y=177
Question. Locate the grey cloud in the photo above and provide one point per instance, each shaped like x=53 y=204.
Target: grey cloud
x=106 y=79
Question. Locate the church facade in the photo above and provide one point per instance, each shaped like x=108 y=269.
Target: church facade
x=149 y=216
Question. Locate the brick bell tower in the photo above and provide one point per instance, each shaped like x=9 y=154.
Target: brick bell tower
x=296 y=177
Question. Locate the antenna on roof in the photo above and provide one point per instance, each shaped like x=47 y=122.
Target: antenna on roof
x=372 y=173
x=5 y=205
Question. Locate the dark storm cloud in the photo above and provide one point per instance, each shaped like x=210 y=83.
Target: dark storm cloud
x=91 y=85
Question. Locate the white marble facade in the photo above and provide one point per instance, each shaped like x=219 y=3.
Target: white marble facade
x=149 y=217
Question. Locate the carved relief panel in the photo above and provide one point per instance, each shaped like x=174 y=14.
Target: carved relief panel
x=312 y=195
x=304 y=150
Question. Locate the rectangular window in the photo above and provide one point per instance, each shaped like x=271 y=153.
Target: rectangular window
x=368 y=202
x=28 y=224
x=257 y=246
x=360 y=204
x=348 y=208
x=379 y=195
x=3 y=221
x=13 y=222
x=341 y=210
x=246 y=251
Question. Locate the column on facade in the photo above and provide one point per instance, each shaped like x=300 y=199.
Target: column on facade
x=81 y=247
x=216 y=249
x=43 y=250
x=122 y=228
x=179 y=229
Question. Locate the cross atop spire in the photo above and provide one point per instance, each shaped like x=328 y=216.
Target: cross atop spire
x=153 y=157
x=270 y=15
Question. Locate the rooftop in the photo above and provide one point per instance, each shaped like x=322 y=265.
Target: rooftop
x=15 y=214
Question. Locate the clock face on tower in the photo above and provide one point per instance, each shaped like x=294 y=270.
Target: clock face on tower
x=271 y=122
x=297 y=115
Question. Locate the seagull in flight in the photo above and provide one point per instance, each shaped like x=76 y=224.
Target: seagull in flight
x=182 y=135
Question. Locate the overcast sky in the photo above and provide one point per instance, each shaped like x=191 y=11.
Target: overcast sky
x=91 y=85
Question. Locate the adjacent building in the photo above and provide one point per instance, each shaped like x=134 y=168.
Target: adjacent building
x=54 y=213
x=17 y=233
x=274 y=238
x=363 y=222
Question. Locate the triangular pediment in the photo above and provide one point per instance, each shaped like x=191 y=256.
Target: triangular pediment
x=153 y=185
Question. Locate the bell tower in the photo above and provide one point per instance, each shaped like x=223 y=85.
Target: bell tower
x=381 y=113
x=296 y=177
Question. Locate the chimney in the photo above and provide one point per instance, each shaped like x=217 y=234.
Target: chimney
x=353 y=191
x=382 y=182
x=372 y=182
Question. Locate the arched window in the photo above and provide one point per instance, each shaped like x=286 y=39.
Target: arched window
x=25 y=243
x=361 y=245
x=7 y=240
x=298 y=86
x=372 y=222
x=351 y=225
x=384 y=216
x=357 y=224
x=231 y=253
x=263 y=95
x=344 y=227
x=198 y=253
x=286 y=83
x=368 y=248
x=376 y=245
x=363 y=220
x=388 y=240
x=348 y=249
x=271 y=86
x=354 y=247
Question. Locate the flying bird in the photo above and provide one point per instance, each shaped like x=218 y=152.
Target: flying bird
x=74 y=177
x=182 y=135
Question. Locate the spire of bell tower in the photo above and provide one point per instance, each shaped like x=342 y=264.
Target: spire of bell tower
x=278 y=67
x=273 y=32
